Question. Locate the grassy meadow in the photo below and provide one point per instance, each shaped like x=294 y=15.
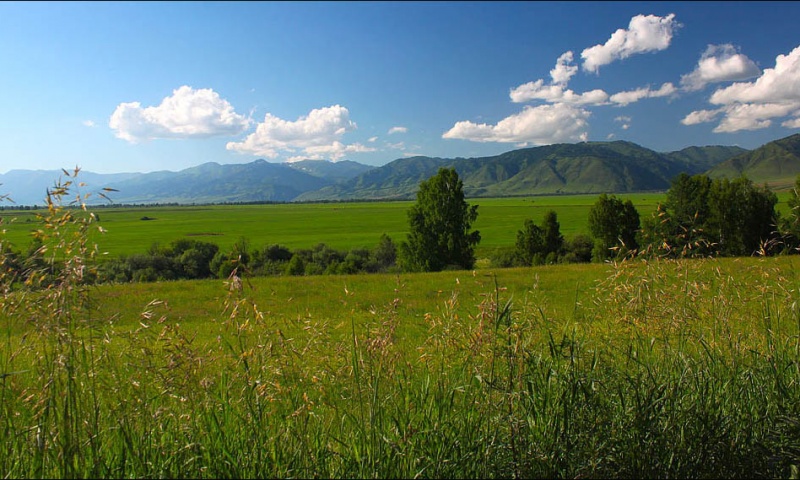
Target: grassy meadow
x=556 y=371
x=645 y=368
x=340 y=225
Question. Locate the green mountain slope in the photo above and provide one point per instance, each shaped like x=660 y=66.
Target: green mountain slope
x=776 y=163
x=705 y=158
x=589 y=167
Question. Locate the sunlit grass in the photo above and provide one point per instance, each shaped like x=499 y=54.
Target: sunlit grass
x=646 y=368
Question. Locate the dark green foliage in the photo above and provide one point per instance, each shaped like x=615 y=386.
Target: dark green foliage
x=614 y=225
x=296 y=265
x=704 y=217
x=191 y=259
x=439 y=226
x=579 y=249
x=742 y=216
x=537 y=245
x=530 y=243
x=553 y=240
x=790 y=226
x=384 y=257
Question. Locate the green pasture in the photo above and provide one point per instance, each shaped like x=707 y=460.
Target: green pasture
x=340 y=225
x=561 y=371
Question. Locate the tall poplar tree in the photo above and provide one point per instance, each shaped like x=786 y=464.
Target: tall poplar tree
x=439 y=226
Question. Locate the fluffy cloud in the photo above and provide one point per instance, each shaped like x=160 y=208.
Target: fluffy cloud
x=88 y=123
x=793 y=123
x=188 y=113
x=337 y=150
x=720 y=63
x=555 y=94
x=779 y=84
x=540 y=125
x=317 y=134
x=753 y=105
x=753 y=116
x=648 y=33
x=397 y=130
x=701 y=116
x=562 y=72
x=631 y=96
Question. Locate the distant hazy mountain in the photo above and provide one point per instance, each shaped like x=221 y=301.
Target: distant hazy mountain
x=333 y=171
x=214 y=183
x=588 y=167
x=29 y=187
x=776 y=163
x=206 y=183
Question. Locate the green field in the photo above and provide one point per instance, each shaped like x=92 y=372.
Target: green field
x=340 y=225
x=558 y=371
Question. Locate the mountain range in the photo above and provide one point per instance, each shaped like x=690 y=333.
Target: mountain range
x=587 y=167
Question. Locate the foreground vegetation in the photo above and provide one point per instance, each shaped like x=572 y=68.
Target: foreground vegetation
x=643 y=368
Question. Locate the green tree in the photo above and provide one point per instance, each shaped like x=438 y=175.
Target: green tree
x=530 y=243
x=687 y=199
x=553 y=240
x=614 y=225
x=439 y=226
x=384 y=256
x=704 y=217
x=538 y=244
x=791 y=224
x=742 y=216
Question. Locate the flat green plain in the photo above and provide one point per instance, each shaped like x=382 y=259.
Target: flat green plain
x=130 y=230
x=340 y=225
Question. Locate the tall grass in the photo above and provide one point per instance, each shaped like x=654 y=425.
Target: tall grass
x=665 y=368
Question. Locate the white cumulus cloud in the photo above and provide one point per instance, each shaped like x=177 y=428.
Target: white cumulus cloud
x=88 y=123
x=645 y=33
x=563 y=71
x=753 y=116
x=542 y=125
x=701 y=116
x=556 y=94
x=754 y=105
x=397 y=130
x=631 y=96
x=779 y=84
x=720 y=63
x=793 y=123
x=187 y=113
x=317 y=134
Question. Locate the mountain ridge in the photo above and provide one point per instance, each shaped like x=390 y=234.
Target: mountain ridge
x=587 y=167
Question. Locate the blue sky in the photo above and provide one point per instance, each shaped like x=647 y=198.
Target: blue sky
x=146 y=86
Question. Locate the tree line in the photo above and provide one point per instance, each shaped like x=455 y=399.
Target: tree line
x=699 y=217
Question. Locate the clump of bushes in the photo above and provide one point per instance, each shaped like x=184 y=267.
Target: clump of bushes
x=193 y=259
